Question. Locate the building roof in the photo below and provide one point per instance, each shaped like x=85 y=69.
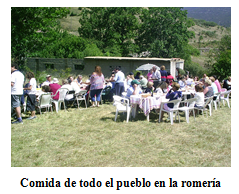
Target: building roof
x=136 y=58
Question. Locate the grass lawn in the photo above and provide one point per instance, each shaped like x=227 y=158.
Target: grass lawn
x=90 y=138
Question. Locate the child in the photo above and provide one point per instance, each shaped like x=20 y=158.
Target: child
x=199 y=95
x=149 y=87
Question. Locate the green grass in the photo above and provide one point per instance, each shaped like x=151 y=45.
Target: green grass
x=90 y=137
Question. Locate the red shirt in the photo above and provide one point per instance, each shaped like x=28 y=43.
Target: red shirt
x=53 y=89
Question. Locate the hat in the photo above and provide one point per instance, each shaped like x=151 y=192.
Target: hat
x=135 y=81
x=131 y=73
x=48 y=76
x=55 y=80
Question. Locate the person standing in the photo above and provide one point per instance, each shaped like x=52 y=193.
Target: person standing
x=17 y=80
x=31 y=97
x=97 y=83
x=156 y=76
x=119 y=82
x=163 y=73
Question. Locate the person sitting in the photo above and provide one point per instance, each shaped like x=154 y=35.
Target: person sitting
x=149 y=88
x=48 y=81
x=162 y=88
x=54 y=87
x=78 y=80
x=169 y=79
x=208 y=90
x=182 y=82
x=189 y=81
x=173 y=94
x=199 y=95
x=214 y=86
x=129 y=79
x=143 y=81
x=75 y=86
x=66 y=85
x=164 y=73
x=134 y=89
x=227 y=83
x=219 y=89
x=45 y=89
x=137 y=75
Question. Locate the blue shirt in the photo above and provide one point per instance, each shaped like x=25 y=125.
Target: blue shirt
x=130 y=91
x=173 y=96
x=119 y=77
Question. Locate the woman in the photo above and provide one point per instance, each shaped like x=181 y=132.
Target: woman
x=169 y=79
x=149 y=75
x=217 y=83
x=164 y=73
x=208 y=90
x=162 y=88
x=31 y=97
x=97 y=83
x=214 y=86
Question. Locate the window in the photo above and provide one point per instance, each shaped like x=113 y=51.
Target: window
x=79 y=67
x=49 y=66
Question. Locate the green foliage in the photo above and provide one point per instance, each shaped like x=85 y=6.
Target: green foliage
x=164 y=31
x=201 y=22
x=32 y=28
x=222 y=67
x=209 y=33
x=113 y=28
x=195 y=69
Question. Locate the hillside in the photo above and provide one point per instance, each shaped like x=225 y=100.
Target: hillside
x=219 y=15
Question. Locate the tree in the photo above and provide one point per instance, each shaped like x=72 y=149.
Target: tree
x=114 y=28
x=219 y=60
x=164 y=31
x=32 y=28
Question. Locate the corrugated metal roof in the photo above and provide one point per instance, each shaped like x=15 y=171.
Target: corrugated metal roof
x=135 y=58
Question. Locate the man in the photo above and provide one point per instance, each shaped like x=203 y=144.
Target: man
x=48 y=81
x=156 y=76
x=74 y=85
x=17 y=80
x=134 y=89
x=119 y=81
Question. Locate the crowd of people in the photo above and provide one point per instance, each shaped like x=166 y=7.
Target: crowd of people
x=158 y=80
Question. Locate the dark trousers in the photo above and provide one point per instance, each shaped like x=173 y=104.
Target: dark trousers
x=119 y=88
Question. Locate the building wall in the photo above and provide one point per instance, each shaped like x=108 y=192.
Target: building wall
x=107 y=64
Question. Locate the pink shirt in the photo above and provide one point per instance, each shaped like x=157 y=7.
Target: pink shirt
x=149 y=76
x=218 y=86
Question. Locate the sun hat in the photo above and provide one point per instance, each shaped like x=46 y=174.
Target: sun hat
x=48 y=76
x=135 y=81
x=55 y=80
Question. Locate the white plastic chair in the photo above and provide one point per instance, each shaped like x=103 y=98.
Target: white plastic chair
x=204 y=108
x=223 y=98
x=210 y=104
x=190 y=106
x=45 y=102
x=62 y=95
x=217 y=101
x=171 y=111
x=80 y=96
x=122 y=105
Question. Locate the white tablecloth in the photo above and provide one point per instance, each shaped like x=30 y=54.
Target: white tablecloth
x=146 y=104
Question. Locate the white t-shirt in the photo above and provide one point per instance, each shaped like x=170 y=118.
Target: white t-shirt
x=200 y=98
x=46 y=83
x=18 y=79
x=33 y=84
